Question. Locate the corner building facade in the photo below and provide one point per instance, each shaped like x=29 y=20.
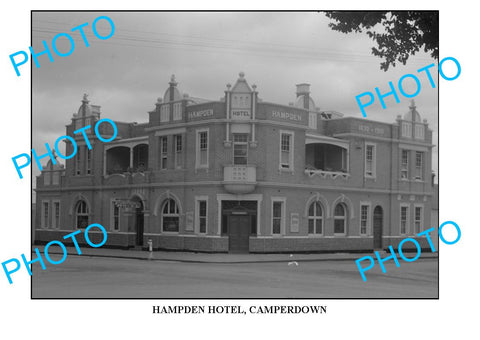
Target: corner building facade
x=242 y=175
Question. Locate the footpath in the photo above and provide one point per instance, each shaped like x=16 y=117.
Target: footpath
x=193 y=257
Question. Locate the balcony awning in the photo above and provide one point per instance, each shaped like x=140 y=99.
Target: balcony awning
x=316 y=139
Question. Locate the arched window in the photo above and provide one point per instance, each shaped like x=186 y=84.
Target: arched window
x=81 y=214
x=170 y=216
x=315 y=218
x=340 y=219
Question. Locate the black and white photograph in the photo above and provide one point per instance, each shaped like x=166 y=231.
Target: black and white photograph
x=235 y=160
x=229 y=170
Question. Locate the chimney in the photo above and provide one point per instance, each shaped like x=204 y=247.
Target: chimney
x=304 y=89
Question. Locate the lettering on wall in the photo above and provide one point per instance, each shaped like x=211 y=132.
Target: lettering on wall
x=241 y=114
x=286 y=116
x=200 y=114
x=371 y=129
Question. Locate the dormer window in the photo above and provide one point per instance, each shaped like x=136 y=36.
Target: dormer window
x=407 y=129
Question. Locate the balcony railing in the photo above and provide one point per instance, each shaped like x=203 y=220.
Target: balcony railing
x=326 y=173
x=239 y=179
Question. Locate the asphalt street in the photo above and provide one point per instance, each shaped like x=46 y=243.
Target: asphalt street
x=97 y=277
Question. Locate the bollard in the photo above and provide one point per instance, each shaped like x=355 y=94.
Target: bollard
x=150 y=249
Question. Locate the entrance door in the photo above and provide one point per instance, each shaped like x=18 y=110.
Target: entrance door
x=377 y=227
x=139 y=224
x=238 y=233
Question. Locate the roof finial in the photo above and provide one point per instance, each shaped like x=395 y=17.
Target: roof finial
x=173 y=82
x=242 y=75
x=85 y=99
x=412 y=104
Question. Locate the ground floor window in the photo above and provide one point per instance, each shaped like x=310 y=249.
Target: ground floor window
x=81 y=214
x=170 y=216
x=202 y=216
x=418 y=219
x=278 y=208
x=115 y=216
x=403 y=219
x=364 y=218
x=340 y=219
x=45 y=214
x=315 y=218
x=56 y=214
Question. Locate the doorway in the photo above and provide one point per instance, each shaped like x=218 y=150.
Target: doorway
x=377 y=227
x=138 y=222
x=238 y=233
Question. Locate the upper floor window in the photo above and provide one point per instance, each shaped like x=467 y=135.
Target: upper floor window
x=418 y=165
x=78 y=123
x=419 y=131
x=407 y=129
x=89 y=160
x=77 y=161
x=164 y=113
x=177 y=111
x=286 y=150
x=55 y=177
x=47 y=177
x=315 y=218
x=340 y=219
x=202 y=149
x=370 y=160
x=163 y=152
x=404 y=165
x=170 y=216
x=240 y=148
x=178 y=151
x=81 y=214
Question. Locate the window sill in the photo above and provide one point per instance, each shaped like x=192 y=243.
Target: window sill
x=287 y=170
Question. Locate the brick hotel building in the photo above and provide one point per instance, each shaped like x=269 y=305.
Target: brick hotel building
x=241 y=174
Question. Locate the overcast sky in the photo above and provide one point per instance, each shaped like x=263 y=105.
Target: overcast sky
x=128 y=72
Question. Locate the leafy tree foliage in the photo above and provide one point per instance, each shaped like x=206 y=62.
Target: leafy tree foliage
x=401 y=33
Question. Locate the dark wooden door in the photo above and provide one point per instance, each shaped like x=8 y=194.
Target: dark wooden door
x=139 y=225
x=238 y=233
x=377 y=227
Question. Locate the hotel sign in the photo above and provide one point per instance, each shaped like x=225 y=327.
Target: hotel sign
x=200 y=114
x=371 y=129
x=286 y=116
x=241 y=114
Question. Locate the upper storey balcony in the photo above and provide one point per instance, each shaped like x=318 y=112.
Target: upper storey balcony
x=326 y=157
x=239 y=179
